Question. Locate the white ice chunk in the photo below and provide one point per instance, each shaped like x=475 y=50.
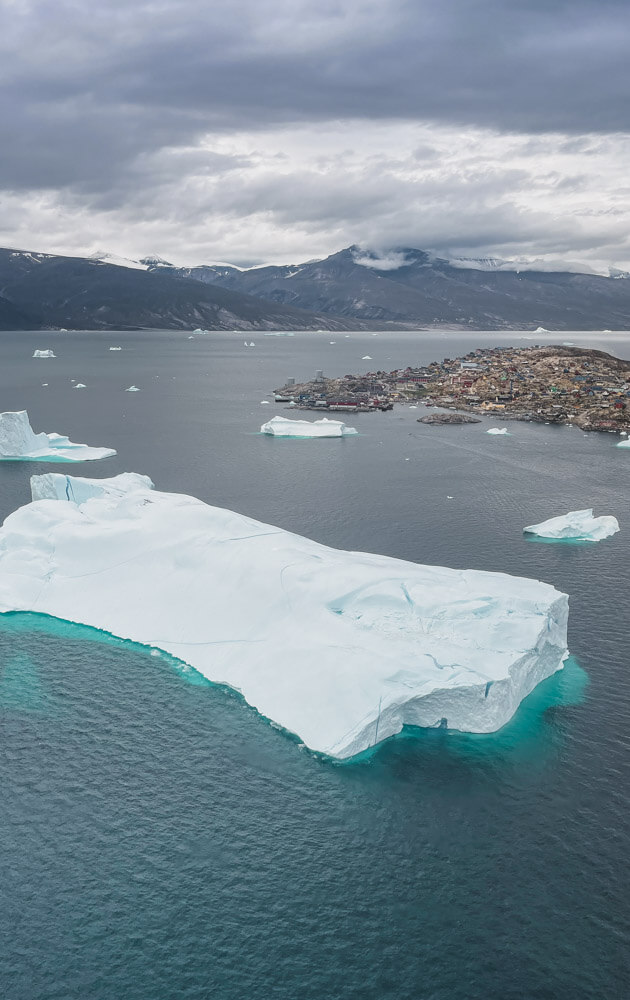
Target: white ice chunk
x=80 y=385
x=577 y=524
x=115 y=348
x=324 y=428
x=57 y=486
x=132 y=388
x=497 y=430
x=341 y=648
x=366 y=357
x=44 y=354
x=625 y=443
x=19 y=441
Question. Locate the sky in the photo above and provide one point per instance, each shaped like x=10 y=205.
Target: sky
x=278 y=131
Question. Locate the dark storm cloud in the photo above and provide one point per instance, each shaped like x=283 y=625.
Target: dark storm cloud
x=87 y=88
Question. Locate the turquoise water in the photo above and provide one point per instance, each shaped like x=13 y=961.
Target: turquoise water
x=160 y=840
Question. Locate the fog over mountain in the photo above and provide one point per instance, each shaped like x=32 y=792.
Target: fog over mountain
x=275 y=132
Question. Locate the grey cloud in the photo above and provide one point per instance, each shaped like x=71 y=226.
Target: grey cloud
x=90 y=87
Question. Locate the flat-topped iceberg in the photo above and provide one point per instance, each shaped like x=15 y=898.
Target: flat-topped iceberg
x=324 y=428
x=44 y=354
x=579 y=525
x=341 y=648
x=18 y=441
x=497 y=430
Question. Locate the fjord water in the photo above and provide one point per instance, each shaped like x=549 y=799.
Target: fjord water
x=161 y=840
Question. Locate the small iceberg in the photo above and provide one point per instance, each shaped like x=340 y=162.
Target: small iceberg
x=44 y=354
x=19 y=442
x=366 y=357
x=625 y=443
x=200 y=331
x=115 y=348
x=264 y=402
x=324 y=428
x=132 y=388
x=541 y=329
x=340 y=648
x=80 y=385
x=497 y=430
x=579 y=525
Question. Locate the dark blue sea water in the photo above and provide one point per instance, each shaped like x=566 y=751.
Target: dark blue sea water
x=159 y=840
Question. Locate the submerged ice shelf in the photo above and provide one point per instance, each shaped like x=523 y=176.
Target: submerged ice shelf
x=18 y=441
x=578 y=525
x=340 y=648
x=324 y=428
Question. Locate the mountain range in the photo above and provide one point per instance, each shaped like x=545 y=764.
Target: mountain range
x=39 y=291
x=355 y=288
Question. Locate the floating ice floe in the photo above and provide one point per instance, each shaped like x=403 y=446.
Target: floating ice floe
x=625 y=443
x=324 y=428
x=44 y=354
x=132 y=388
x=342 y=649
x=264 y=402
x=579 y=525
x=200 y=331
x=497 y=430
x=366 y=357
x=18 y=441
x=541 y=329
x=80 y=385
x=115 y=348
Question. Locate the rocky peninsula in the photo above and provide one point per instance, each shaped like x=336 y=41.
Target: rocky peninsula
x=553 y=384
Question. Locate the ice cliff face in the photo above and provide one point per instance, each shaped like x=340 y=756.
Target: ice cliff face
x=341 y=648
x=324 y=428
x=19 y=441
x=579 y=525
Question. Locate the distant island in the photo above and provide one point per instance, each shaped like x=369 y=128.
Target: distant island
x=555 y=384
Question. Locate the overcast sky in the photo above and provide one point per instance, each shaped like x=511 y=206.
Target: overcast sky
x=280 y=130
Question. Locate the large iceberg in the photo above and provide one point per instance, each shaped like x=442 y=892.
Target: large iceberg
x=18 y=441
x=340 y=648
x=579 y=525
x=324 y=428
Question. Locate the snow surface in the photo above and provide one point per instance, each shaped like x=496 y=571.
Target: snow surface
x=102 y=257
x=497 y=430
x=577 y=524
x=44 y=354
x=324 y=428
x=340 y=648
x=19 y=441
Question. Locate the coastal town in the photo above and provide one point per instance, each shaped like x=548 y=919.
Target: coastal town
x=555 y=384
